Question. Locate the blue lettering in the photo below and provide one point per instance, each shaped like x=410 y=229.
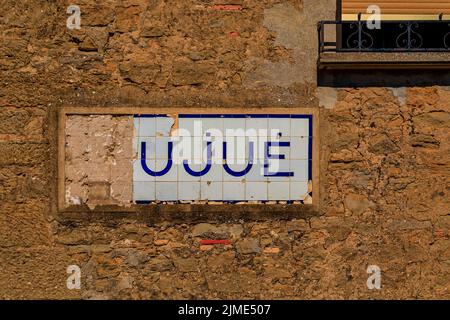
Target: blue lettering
x=144 y=162
x=269 y=156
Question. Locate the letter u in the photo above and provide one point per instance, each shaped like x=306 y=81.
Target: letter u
x=208 y=163
x=144 y=162
x=238 y=173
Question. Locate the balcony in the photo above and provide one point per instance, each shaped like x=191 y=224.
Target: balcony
x=412 y=44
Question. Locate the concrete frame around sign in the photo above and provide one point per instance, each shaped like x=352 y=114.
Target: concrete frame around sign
x=73 y=210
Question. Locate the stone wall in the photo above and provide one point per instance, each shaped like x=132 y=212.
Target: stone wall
x=384 y=157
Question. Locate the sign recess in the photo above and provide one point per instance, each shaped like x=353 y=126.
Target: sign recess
x=124 y=158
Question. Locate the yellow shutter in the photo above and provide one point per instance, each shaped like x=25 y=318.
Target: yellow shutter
x=398 y=9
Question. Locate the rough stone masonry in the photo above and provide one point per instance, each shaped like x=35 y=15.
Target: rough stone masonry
x=384 y=157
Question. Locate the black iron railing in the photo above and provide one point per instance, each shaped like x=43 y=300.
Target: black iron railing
x=392 y=36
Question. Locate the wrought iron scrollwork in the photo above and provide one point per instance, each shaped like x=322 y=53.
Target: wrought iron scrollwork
x=359 y=39
x=409 y=39
x=447 y=39
x=394 y=36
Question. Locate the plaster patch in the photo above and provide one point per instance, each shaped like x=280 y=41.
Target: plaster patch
x=400 y=94
x=293 y=30
x=327 y=97
x=285 y=20
x=98 y=159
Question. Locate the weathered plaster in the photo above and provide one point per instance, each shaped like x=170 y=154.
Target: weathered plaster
x=98 y=159
x=292 y=29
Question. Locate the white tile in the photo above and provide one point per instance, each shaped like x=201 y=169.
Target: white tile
x=300 y=170
x=299 y=127
x=278 y=166
x=198 y=150
x=136 y=148
x=183 y=149
x=298 y=190
x=199 y=130
x=256 y=173
x=257 y=123
x=237 y=148
x=278 y=191
x=235 y=168
x=189 y=191
x=166 y=191
x=280 y=125
x=164 y=126
x=217 y=150
x=213 y=125
x=147 y=127
x=162 y=147
x=234 y=126
x=211 y=191
x=256 y=191
x=281 y=150
x=150 y=147
x=299 y=148
x=183 y=175
x=275 y=134
x=233 y=191
x=143 y=191
x=189 y=125
x=214 y=174
x=257 y=133
x=171 y=175
x=136 y=123
x=138 y=172
x=259 y=147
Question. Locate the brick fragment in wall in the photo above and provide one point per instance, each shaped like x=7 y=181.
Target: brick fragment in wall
x=227 y=7
x=98 y=157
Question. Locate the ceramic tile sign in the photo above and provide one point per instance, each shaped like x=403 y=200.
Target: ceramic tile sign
x=222 y=158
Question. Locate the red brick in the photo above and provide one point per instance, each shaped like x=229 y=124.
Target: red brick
x=227 y=7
